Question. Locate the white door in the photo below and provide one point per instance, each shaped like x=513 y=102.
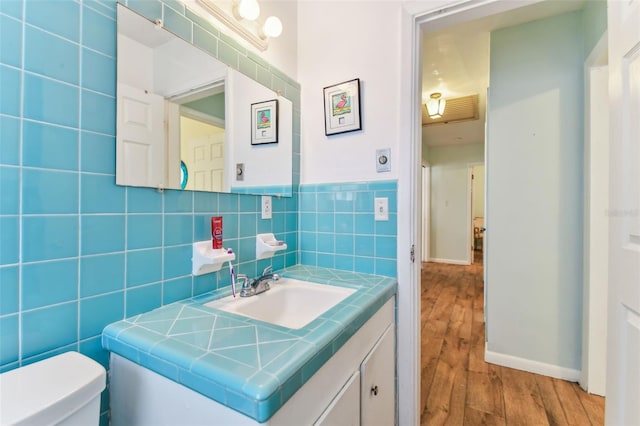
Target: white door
x=623 y=357
x=344 y=410
x=202 y=147
x=140 y=153
x=377 y=391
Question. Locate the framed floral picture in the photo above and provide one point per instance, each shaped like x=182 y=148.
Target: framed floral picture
x=264 y=122
x=342 y=107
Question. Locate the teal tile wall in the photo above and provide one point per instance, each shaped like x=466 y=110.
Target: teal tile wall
x=338 y=230
x=78 y=252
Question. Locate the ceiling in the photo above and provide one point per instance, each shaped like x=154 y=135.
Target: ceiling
x=456 y=63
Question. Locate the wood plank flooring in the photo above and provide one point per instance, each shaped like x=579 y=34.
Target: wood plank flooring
x=459 y=388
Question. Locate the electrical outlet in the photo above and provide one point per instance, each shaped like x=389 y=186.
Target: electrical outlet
x=382 y=208
x=267 y=207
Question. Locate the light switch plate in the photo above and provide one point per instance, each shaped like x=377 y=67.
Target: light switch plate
x=267 y=207
x=383 y=160
x=382 y=208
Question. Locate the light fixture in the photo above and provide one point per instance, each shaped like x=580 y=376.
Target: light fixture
x=247 y=9
x=245 y=24
x=272 y=27
x=435 y=105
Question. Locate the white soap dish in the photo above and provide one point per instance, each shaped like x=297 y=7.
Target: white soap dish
x=267 y=245
x=205 y=259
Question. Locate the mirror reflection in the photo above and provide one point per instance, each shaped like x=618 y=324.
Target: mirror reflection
x=184 y=119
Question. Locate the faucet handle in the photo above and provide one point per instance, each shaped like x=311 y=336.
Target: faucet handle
x=244 y=278
x=267 y=270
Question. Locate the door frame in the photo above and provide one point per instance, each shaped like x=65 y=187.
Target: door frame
x=436 y=14
x=596 y=225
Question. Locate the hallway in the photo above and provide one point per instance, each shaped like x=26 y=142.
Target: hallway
x=458 y=387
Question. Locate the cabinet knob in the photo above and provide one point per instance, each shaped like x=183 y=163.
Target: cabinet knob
x=374 y=390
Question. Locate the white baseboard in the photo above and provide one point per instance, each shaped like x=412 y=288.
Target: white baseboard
x=451 y=261
x=532 y=366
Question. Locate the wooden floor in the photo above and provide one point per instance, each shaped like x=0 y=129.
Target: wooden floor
x=458 y=387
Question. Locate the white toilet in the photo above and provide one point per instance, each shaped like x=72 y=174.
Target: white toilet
x=61 y=390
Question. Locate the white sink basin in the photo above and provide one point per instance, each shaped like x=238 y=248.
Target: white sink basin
x=289 y=303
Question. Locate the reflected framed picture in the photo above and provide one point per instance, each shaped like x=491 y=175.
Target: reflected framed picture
x=342 y=108
x=264 y=122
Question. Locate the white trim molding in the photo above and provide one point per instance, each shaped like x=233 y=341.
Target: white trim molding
x=532 y=366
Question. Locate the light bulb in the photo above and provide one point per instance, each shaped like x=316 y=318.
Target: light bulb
x=435 y=105
x=272 y=27
x=249 y=9
x=432 y=108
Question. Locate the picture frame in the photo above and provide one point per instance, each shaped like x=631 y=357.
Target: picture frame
x=264 y=122
x=342 y=108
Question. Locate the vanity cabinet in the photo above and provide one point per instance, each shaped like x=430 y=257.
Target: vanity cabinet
x=344 y=410
x=355 y=386
x=377 y=372
x=368 y=398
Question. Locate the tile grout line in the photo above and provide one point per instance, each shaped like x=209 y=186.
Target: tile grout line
x=21 y=194
x=79 y=167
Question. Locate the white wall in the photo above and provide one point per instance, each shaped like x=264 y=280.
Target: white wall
x=339 y=41
x=174 y=70
x=342 y=41
x=450 y=209
x=131 y=51
x=265 y=165
x=282 y=50
x=535 y=202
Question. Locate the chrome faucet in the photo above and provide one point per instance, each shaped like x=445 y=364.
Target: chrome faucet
x=258 y=285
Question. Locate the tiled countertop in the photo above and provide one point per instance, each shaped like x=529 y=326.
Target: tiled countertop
x=245 y=364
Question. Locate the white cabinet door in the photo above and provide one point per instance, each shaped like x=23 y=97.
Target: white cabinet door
x=344 y=410
x=377 y=397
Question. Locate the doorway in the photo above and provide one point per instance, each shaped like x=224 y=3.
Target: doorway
x=202 y=153
x=465 y=15
x=477 y=172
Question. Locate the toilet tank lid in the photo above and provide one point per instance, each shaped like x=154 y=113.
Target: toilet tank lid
x=47 y=391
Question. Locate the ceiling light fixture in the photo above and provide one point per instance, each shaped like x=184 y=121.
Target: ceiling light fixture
x=255 y=33
x=435 y=105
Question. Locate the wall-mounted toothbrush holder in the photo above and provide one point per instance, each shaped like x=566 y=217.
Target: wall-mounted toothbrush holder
x=267 y=245
x=205 y=259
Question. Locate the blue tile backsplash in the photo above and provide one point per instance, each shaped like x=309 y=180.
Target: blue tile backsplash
x=78 y=252
x=337 y=227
